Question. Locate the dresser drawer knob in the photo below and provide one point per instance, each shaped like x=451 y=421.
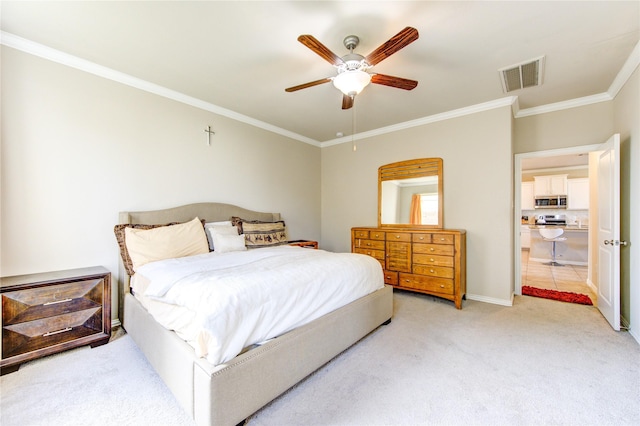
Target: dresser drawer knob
x=51 y=333
x=441 y=285
x=421 y=237
x=432 y=271
x=397 y=236
x=57 y=301
x=432 y=249
x=432 y=259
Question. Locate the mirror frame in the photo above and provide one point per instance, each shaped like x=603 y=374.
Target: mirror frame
x=410 y=169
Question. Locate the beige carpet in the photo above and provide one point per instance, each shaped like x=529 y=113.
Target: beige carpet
x=538 y=362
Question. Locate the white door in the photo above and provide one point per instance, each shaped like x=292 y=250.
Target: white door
x=609 y=231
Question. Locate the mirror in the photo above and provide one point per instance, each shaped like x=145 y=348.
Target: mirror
x=410 y=194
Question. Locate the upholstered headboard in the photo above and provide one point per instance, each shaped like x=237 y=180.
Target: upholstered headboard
x=209 y=212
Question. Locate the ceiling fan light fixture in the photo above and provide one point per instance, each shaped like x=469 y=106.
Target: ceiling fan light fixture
x=352 y=82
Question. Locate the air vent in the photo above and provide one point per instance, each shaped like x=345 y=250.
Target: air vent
x=522 y=75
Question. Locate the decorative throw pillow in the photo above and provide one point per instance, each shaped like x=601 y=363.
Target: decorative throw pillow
x=167 y=242
x=264 y=234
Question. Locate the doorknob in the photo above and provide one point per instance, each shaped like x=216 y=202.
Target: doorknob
x=615 y=243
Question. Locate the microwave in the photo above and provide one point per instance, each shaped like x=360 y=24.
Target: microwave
x=550 y=202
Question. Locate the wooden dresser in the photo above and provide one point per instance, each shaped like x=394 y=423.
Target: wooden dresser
x=51 y=312
x=425 y=261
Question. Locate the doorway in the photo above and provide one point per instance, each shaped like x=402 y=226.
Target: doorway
x=532 y=269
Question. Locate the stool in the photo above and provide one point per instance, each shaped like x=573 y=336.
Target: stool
x=553 y=235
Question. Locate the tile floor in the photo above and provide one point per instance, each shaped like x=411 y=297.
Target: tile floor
x=562 y=278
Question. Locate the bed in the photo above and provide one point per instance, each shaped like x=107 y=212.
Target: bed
x=228 y=393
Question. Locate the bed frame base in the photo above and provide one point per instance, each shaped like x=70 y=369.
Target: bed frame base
x=228 y=394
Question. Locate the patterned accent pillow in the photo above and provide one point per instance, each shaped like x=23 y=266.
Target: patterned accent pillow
x=261 y=234
x=124 y=253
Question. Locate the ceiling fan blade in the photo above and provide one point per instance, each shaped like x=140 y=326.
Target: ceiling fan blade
x=391 y=46
x=309 y=84
x=389 y=80
x=347 y=101
x=323 y=51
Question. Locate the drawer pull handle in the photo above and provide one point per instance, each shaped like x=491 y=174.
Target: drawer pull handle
x=422 y=238
x=431 y=260
x=441 y=285
x=431 y=270
x=441 y=239
x=57 y=301
x=432 y=249
x=397 y=236
x=51 y=333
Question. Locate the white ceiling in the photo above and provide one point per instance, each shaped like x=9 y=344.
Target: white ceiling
x=240 y=56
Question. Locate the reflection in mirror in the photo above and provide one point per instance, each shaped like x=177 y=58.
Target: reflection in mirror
x=410 y=193
x=413 y=201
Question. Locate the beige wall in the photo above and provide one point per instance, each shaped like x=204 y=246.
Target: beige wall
x=586 y=125
x=77 y=149
x=476 y=151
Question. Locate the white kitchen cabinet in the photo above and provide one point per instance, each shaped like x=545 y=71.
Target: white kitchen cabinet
x=526 y=196
x=525 y=237
x=550 y=185
x=578 y=194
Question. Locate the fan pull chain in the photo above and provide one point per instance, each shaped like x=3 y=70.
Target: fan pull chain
x=353 y=125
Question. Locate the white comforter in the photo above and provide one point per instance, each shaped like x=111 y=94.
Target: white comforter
x=238 y=299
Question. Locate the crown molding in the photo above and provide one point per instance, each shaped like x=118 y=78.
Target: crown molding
x=473 y=109
x=559 y=106
x=630 y=65
x=54 y=55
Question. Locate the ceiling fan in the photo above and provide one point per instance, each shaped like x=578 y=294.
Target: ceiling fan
x=352 y=68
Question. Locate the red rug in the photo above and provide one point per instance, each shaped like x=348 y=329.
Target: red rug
x=563 y=296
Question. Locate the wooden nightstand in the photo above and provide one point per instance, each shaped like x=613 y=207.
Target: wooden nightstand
x=304 y=243
x=46 y=313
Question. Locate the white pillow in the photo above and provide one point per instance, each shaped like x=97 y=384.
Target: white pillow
x=208 y=227
x=226 y=242
x=165 y=242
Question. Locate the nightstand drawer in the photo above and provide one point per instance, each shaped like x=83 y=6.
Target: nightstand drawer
x=29 y=336
x=43 y=302
x=46 y=313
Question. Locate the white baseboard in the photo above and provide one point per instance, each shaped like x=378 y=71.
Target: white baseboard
x=493 y=300
x=115 y=323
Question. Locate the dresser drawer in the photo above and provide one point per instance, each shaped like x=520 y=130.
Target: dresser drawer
x=378 y=254
x=433 y=271
x=432 y=259
x=43 y=302
x=377 y=235
x=29 y=336
x=390 y=277
x=421 y=238
x=370 y=244
x=426 y=283
x=442 y=239
x=437 y=249
x=399 y=236
x=361 y=233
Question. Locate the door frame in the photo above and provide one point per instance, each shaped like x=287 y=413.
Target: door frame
x=517 y=191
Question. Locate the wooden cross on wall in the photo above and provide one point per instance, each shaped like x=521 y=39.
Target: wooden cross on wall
x=209 y=132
